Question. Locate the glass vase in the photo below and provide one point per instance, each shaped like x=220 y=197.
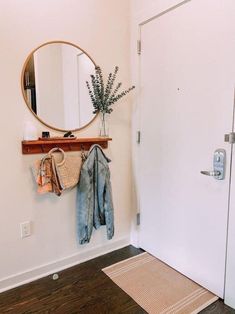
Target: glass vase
x=104 y=128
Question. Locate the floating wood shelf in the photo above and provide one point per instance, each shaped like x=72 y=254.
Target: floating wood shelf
x=44 y=146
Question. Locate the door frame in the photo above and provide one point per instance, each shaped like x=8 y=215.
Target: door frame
x=138 y=20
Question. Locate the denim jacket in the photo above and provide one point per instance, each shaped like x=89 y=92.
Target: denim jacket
x=94 y=196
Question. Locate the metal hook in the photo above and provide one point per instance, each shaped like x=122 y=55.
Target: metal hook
x=83 y=153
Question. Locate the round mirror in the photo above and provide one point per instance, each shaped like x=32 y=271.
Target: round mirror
x=54 y=85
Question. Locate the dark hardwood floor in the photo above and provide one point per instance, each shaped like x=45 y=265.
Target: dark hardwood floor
x=81 y=289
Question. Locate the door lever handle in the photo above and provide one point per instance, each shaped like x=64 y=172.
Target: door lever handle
x=219 y=160
x=211 y=173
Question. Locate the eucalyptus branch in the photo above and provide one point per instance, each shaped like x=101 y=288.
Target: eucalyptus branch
x=115 y=90
x=104 y=96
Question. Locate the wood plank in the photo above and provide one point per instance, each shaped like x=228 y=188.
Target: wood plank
x=82 y=289
x=44 y=146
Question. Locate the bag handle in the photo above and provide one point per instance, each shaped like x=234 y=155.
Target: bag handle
x=57 y=149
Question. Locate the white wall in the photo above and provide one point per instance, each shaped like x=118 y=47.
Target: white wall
x=70 y=87
x=85 y=67
x=25 y=25
x=49 y=84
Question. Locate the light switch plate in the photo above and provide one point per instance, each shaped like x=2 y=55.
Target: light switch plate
x=25 y=229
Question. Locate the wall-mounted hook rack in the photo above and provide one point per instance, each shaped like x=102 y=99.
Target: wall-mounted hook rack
x=44 y=146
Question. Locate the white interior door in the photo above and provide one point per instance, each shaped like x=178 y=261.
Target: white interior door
x=187 y=84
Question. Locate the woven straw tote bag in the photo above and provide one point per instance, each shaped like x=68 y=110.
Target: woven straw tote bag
x=68 y=167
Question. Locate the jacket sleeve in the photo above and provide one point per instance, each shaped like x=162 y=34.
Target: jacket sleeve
x=108 y=207
x=84 y=206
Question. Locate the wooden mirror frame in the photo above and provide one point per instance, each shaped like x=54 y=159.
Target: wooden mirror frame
x=23 y=91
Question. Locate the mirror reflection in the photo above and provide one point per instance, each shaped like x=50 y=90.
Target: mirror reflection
x=54 y=85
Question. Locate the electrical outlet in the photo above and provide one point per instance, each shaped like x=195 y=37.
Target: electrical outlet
x=25 y=229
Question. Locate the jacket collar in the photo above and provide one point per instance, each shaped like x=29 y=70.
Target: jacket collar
x=101 y=150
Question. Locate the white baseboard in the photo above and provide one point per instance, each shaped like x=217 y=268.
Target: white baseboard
x=56 y=266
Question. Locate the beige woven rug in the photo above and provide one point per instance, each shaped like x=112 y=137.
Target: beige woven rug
x=158 y=288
